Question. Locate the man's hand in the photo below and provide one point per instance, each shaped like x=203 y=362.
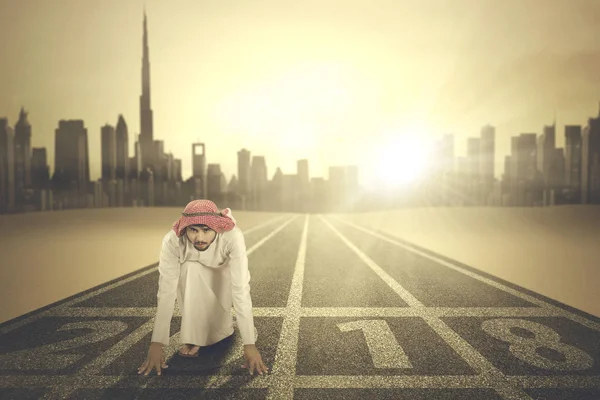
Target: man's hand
x=253 y=360
x=154 y=360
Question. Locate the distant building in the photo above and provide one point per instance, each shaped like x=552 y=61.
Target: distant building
x=259 y=181
x=590 y=160
x=122 y=152
x=7 y=167
x=244 y=172
x=199 y=170
x=22 y=157
x=487 y=150
x=214 y=189
x=573 y=161
x=71 y=164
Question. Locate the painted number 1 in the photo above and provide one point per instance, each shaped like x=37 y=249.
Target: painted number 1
x=385 y=350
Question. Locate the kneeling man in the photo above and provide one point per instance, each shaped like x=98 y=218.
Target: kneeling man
x=203 y=264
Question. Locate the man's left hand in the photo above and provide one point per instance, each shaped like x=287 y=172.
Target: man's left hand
x=253 y=359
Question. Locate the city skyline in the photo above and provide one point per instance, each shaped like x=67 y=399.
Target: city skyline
x=558 y=134
x=282 y=156
x=536 y=171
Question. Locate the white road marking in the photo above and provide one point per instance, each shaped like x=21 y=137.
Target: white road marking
x=17 y=324
x=330 y=312
x=284 y=366
x=282 y=380
x=475 y=360
x=95 y=367
x=303 y=381
x=541 y=303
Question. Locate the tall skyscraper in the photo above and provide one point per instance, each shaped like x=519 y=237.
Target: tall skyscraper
x=319 y=195
x=506 y=181
x=259 y=181
x=7 y=167
x=524 y=168
x=473 y=182
x=22 y=155
x=223 y=182
x=170 y=165
x=199 y=170
x=108 y=150
x=146 y=137
x=546 y=145
x=177 y=166
x=122 y=149
x=573 y=157
x=71 y=162
x=244 y=172
x=198 y=159
x=40 y=170
x=590 y=162
x=473 y=157
x=160 y=160
x=558 y=169
x=303 y=186
x=214 y=189
x=275 y=199
x=487 y=151
x=259 y=171
x=302 y=170
x=135 y=166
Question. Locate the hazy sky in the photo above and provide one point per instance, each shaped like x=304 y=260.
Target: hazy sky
x=330 y=78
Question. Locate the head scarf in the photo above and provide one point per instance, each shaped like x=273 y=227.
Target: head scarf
x=204 y=212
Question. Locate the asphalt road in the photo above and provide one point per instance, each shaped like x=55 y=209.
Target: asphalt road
x=341 y=313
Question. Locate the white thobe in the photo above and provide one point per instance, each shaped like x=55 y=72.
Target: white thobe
x=206 y=285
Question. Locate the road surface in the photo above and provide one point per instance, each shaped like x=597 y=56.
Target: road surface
x=341 y=312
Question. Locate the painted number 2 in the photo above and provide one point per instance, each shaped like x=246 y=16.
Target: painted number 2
x=526 y=349
x=45 y=357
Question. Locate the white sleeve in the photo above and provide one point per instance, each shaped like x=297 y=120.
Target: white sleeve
x=168 y=268
x=240 y=286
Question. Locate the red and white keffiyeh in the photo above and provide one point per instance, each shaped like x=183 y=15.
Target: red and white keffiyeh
x=204 y=212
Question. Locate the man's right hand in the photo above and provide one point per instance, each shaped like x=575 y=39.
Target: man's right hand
x=154 y=360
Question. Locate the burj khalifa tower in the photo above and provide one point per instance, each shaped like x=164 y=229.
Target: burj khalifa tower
x=146 y=138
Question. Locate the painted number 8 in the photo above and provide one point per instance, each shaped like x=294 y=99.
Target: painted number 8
x=526 y=349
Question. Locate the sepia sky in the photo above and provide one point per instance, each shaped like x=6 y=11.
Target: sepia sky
x=327 y=80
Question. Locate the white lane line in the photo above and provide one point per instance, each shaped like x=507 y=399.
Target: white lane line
x=475 y=360
x=396 y=287
x=303 y=381
x=50 y=311
x=12 y=326
x=269 y=236
x=391 y=381
x=330 y=312
x=323 y=381
x=561 y=381
x=541 y=303
x=284 y=366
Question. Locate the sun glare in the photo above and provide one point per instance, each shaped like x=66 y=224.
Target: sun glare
x=403 y=159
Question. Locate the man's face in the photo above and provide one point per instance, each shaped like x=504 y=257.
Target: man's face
x=201 y=236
